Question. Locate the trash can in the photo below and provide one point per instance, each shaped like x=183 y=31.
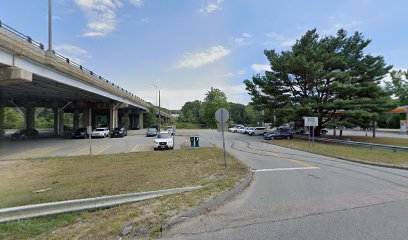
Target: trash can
x=192 y=141
x=197 y=141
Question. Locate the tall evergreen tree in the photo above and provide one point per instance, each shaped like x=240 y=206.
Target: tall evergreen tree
x=326 y=77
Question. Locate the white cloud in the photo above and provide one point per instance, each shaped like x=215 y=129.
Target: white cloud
x=211 y=7
x=101 y=16
x=230 y=74
x=341 y=21
x=74 y=53
x=278 y=40
x=145 y=20
x=203 y=57
x=136 y=3
x=176 y=98
x=243 y=40
x=258 y=68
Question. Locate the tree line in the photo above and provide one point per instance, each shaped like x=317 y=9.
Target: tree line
x=203 y=112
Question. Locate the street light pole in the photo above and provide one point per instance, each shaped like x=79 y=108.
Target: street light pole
x=159 y=112
x=49 y=25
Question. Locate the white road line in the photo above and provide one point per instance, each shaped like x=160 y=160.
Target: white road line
x=284 y=169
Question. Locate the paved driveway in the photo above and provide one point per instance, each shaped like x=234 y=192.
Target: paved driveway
x=50 y=147
x=297 y=195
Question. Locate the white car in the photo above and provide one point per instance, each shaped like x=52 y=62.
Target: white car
x=163 y=140
x=235 y=128
x=256 y=131
x=100 y=132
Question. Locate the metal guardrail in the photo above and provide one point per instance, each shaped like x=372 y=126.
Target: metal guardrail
x=45 y=209
x=353 y=143
x=65 y=59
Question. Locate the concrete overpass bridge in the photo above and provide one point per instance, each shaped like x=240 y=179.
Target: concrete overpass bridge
x=31 y=77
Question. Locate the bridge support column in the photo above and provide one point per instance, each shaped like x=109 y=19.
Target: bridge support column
x=126 y=120
x=76 y=118
x=60 y=122
x=55 y=110
x=113 y=117
x=2 y=106
x=94 y=119
x=86 y=113
x=141 y=120
x=29 y=118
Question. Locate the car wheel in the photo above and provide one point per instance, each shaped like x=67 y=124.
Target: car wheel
x=252 y=134
x=272 y=138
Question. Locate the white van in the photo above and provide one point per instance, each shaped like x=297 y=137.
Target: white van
x=257 y=131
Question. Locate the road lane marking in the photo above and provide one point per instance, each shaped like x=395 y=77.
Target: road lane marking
x=142 y=148
x=100 y=150
x=34 y=153
x=284 y=169
x=134 y=149
x=296 y=161
x=85 y=151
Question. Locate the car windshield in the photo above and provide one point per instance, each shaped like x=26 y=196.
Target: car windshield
x=118 y=129
x=163 y=135
x=99 y=130
x=151 y=130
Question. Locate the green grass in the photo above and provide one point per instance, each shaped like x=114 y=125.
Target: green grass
x=377 y=140
x=105 y=175
x=360 y=153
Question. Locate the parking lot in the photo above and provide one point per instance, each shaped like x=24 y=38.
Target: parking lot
x=49 y=147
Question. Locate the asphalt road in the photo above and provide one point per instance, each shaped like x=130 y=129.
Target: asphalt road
x=52 y=147
x=298 y=195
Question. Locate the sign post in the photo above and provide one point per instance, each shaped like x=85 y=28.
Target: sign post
x=311 y=122
x=89 y=131
x=174 y=136
x=222 y=116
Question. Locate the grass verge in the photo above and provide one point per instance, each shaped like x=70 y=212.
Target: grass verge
x=377 y=140
x=81 y=177
x=354 y=152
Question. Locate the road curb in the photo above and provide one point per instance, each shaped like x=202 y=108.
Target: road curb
x=352 y=159
x=46 y=209
x=212 y=204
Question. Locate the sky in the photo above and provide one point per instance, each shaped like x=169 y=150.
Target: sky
x=185 y=47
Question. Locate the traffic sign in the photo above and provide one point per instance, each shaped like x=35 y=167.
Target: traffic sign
x=311 y=121
x=222 y=115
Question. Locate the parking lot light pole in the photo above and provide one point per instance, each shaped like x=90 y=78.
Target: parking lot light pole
x=159 y=122
x=49 y=25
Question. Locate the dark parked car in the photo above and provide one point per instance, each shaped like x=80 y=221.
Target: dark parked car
x=278 y=135
x=284 y=129
x=80 y=133
x=151 y=132
x=24 y=134
x=119 y=132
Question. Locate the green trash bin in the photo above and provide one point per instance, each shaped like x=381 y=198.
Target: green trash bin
x=192 y=141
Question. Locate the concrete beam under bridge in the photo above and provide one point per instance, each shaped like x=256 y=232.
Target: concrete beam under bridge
x=14 y=75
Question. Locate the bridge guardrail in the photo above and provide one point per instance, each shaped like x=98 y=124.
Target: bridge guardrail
x=67 y=60
x=362 y=144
